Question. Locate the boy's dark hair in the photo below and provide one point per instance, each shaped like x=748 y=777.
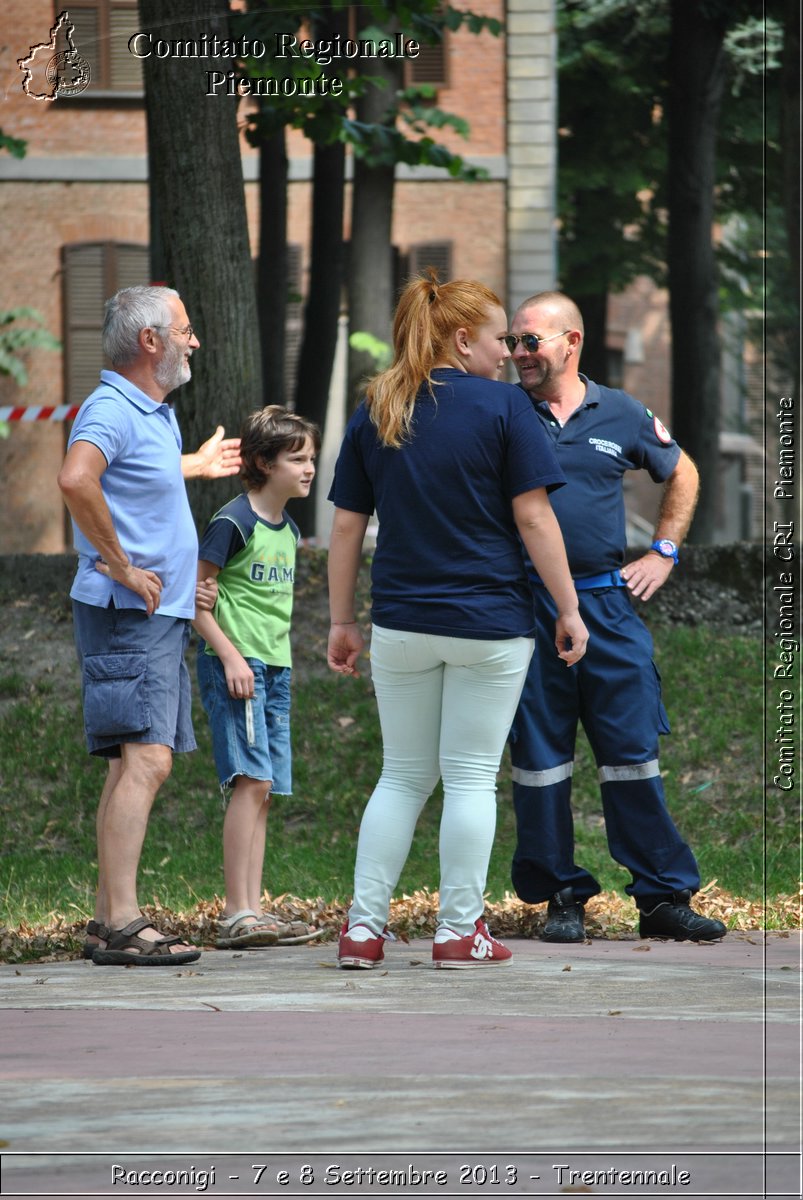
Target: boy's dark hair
x=268 y=431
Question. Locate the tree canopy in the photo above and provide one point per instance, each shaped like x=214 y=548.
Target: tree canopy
x=670 y=143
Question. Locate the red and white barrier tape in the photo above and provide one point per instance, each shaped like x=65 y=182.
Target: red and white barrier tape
x=39 y=412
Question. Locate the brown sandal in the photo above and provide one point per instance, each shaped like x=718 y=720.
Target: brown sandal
x=292 y=933
x=244 y=929
x=124 y=948
x=94 y=929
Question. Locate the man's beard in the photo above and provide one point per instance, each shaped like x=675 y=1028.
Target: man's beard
x=173 y=370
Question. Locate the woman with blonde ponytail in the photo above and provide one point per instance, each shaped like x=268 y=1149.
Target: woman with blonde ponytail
x=458 y=470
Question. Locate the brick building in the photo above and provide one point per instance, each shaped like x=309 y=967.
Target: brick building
x=74 y=217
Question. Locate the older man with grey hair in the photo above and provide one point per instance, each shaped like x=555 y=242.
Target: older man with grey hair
x=134 y=594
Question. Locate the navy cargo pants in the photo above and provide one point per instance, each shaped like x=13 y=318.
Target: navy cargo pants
x=615 y=692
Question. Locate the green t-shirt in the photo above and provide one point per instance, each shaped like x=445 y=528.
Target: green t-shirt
x=257 y=563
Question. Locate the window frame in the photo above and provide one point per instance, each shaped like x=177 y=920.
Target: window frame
x=431 y=56
x=101 y=85
x=72 y=321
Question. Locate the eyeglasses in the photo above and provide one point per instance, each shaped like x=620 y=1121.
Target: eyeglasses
x=530 y=341
x=187 y=330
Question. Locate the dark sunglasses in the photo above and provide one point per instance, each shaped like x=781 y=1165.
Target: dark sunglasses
x=530 y=341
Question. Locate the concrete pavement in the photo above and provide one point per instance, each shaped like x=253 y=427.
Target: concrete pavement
x=611 y=1067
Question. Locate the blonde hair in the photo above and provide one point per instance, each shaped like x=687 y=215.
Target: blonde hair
x=427 y=316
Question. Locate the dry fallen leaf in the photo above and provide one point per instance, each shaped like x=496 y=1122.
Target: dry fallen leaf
x=608 y=915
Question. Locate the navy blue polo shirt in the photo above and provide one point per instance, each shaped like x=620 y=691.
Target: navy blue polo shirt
x=609 y=434
x=448 y=559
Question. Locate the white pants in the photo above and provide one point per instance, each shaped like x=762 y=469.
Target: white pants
x=445 y=707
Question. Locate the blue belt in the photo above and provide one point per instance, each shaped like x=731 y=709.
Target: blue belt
x=606 y=579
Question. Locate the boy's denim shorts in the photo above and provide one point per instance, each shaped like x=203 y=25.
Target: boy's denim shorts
x=135 y=682
x=249 y=737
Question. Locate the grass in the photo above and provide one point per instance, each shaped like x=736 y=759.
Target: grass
x=711 y=763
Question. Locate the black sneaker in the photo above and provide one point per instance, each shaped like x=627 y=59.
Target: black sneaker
x=673 y=918
x=564 y=918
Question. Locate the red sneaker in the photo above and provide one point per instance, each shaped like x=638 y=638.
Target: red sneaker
x=477 y=949
x=359 y=948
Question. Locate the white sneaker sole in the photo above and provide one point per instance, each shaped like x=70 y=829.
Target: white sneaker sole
x=455 y=964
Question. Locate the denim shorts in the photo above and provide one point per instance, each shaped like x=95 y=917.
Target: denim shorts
x=249 y=737
x=134 y=680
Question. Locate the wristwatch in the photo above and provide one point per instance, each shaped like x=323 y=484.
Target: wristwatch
x=666 y=548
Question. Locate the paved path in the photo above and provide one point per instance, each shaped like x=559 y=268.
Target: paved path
x=609 y=1057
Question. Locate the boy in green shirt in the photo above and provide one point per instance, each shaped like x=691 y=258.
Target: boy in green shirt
x=244 y=659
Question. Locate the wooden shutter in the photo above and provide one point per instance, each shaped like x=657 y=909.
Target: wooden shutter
x=130 y=265
x=125 y=71
x=430 y=254
x=86 y=39
x=102 y=30
x=431 y=66
x=91 y=273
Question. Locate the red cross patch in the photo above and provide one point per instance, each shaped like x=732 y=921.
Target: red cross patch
x=661 y=431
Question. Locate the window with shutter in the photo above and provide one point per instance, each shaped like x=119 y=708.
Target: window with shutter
x=429 y=254
x=102 y=29
x=91 y=273
x=431 y=66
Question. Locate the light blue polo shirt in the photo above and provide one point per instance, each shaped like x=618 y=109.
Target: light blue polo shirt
x=144 y=489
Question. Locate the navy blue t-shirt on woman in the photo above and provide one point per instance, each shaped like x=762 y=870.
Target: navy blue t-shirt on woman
x=448 y=558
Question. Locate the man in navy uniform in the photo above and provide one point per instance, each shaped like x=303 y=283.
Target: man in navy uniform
x=599 y=434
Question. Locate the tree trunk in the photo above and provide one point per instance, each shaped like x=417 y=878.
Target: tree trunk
x=594 y=361
x=273 y=277
x=322 y=309
x=370 y=270
x=594 y=309
x=790 y=152
x=696 y=75
x=197 y=184
x=370 y=266
x=587 y=280
x=790 y=128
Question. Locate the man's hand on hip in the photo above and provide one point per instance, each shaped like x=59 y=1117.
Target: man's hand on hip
x=146 y=584
x=647 y=574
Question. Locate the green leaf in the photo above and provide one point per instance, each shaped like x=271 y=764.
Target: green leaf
x=15 y=146
x=14 y=338
x=381 y=352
